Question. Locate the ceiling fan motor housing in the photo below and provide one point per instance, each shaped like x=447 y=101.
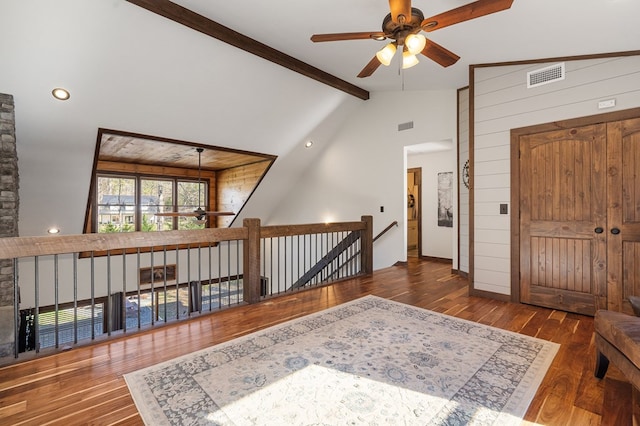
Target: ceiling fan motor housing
x=400 y=30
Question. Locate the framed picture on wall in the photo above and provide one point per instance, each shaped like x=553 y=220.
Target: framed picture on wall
x=445 y=199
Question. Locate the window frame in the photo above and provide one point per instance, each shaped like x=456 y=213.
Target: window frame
x=138 y=178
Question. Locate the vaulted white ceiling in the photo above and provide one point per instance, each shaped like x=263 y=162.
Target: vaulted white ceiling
x=129 y=69
x=530 y=29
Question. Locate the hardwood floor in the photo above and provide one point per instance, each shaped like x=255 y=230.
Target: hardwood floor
x=85 y=385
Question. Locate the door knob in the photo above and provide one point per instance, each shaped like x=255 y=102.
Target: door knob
x=615 y=231
x=598 y=230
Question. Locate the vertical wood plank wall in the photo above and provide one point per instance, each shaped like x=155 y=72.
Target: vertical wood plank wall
x=501 y=102
x=235 y=186
x=463 y=195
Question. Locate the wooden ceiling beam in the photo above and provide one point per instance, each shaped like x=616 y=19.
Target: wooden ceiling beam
x=213 y=29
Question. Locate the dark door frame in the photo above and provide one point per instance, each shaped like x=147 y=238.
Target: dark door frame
x=515 y=177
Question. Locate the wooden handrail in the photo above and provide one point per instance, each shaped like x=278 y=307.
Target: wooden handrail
x=15 y=247
x=384 y=231
x=314 y=228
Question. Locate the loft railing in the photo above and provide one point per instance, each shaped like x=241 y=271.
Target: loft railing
x=70 y=290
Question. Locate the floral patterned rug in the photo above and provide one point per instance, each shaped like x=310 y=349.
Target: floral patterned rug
x=371 y=361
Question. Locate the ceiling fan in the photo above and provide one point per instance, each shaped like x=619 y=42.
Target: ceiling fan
x=404 y=25
x=200 y=214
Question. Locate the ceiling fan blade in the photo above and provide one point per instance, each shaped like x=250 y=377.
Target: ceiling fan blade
x=439 y=54
x=370 y=68
x=316 y=38
x=464 y=13
x=400 y=7
x=176 y=214
x=194 y=214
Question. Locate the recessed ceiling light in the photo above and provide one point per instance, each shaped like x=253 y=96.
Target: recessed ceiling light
x=309 y=144
x=60 y=94
x=53 y=230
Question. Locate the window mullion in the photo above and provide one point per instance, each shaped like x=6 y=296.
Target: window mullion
x=138 y=206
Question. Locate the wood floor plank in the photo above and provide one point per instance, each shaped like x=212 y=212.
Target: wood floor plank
x=617 y=405
x=85 y=385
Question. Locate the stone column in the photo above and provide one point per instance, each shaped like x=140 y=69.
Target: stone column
x=8 y=218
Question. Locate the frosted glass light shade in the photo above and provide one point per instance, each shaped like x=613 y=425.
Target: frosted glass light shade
x=408 y=60
x=385 y=55
x=415 y=43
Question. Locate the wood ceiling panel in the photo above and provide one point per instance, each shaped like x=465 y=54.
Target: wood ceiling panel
x=137 y=149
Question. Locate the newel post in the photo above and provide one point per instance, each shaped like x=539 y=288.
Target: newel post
x=251 y=262
x=367 y=245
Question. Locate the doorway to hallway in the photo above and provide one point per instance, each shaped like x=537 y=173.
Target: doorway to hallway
x=414 y=212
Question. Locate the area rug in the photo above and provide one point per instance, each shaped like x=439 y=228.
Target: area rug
x=371 y=361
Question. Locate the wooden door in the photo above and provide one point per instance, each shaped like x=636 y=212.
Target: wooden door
x=563 y=222
x=623 y=213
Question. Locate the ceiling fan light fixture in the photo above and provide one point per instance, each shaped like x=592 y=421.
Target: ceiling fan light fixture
x=408 y=60
x=385 y=55
x=415 y=43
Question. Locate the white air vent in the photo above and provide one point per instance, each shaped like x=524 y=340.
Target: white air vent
x=545 y=75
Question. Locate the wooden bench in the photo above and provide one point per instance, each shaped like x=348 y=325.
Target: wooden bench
x=617 y=338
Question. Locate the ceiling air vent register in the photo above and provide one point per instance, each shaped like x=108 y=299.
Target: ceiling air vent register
x=545 y=75
x=405 y=126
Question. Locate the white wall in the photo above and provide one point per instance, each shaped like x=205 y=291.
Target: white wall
x=158 y=82
x=437 y=241
x=362 y=167
x=502 y=102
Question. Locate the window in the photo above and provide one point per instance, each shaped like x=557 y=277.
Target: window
x=133 y=203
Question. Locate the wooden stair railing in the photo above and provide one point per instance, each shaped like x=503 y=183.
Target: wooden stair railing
x=332 y=255
x=385 y=230
x=340 y=248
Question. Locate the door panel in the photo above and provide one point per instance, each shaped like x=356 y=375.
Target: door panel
x=562 y=202
x=623 y=212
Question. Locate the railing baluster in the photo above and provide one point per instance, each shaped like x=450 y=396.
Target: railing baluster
x=198 y=298
x=164 y=282
x=138 y=289
x=75 y=298
x=177 y=282
x=56 y=282
x=153 y=292
x=263 y=257
x=228 y=273
x=238 y=269
x=209 y=259
x=279 y=276
x=16 y=309
x=188 y=278
x=36 y=322
x=93 y=297
x=123 y=302
x=109 y=310
x=219 y=275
